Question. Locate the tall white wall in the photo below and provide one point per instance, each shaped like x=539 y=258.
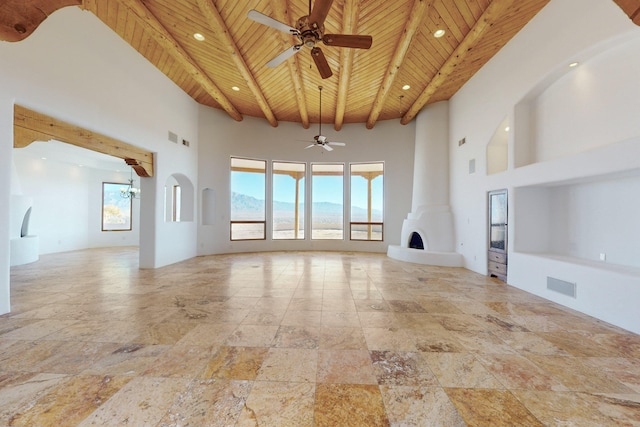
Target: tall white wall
x=220 y=138
x=431 y=167
x=76 y=69
x=572 y=157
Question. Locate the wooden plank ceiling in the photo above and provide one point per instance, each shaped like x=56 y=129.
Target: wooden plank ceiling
x=366 y=86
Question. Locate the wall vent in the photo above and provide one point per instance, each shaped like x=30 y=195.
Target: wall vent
x=561 y=286
x=173 y=137
x=472 y=166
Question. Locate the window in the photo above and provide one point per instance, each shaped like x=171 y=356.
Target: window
x=248 y=189
x=367 y=181
x=327 y=210
x=288 y=200
x=116 y=210
x=175 y=205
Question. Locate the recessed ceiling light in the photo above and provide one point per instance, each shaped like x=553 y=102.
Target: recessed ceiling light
x=198 y=37
x=573 y=64
x=406 y=87
x=438 y=33
x=506 y=129
x=236 y=88
x=43 y=158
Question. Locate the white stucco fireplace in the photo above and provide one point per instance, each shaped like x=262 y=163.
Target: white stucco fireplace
x=427 y=232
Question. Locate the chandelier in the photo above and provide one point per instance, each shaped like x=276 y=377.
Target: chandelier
x=130 y=192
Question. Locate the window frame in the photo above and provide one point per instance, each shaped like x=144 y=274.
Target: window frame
x=233 y=222
x=311 y=184
x=102 y=223
x=370 y=224
x=298 y=216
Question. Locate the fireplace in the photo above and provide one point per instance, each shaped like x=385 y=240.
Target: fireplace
x=415 y=242
x=427 y=238
x=427 y=233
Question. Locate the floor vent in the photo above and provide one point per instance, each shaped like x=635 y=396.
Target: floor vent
x=561 y=286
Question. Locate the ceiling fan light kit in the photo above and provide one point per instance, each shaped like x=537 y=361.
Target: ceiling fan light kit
x=310 y=32
x=320 y=139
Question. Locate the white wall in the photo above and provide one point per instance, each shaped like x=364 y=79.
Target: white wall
x=6 y=147
x=530 y=60
x=574 y=139
x=595 y=104
x=76 y=69
x=220 y=138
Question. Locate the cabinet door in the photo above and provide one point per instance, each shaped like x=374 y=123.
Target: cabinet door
x=498 y=220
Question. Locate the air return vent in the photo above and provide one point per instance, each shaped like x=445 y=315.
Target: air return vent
x=561 y=286
x=173 y=137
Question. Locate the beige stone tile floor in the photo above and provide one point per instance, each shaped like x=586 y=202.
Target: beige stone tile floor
x=300 y=339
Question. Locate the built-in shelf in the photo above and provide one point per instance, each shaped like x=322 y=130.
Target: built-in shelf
x=581 y=262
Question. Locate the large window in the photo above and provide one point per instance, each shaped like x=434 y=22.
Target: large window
x=367 y=183
x=248 y=191
x=116 y=210
x=327 y=193
x=288 y=200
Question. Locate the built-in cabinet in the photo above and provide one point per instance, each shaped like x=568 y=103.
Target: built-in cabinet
x=497 y=255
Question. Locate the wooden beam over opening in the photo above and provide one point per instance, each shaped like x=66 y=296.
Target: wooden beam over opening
x=30 y=126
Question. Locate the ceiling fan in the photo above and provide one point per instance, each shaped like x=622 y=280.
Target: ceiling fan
x=320 y=139
x=310 y=31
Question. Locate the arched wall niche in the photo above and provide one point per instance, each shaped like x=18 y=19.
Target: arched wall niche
x=498 y=148
x=179 y=198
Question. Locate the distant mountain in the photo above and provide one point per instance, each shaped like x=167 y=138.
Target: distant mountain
x=243 y=206
x=242 y=202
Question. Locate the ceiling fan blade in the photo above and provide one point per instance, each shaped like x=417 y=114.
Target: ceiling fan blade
x=320 y=11
x=310 y=146
x=326 y=147
x=341 y=144
x=283 y=56
x=321 y=63
x=348 y=40
x=270 y=22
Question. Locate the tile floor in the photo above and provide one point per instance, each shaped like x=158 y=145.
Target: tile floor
x=301 y=339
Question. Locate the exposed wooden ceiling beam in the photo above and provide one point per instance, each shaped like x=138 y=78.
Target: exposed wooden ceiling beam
x=166 y=40
x=349 y=18
x=492 y=13
x=212 y=15
x=281 y=13
x=416 y=15
x=631 y=8
x=20 y=18
x=30 y=126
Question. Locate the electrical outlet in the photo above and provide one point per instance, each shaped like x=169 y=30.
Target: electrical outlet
x=603 y=257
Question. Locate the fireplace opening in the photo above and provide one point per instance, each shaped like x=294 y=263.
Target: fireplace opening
x=415 y=242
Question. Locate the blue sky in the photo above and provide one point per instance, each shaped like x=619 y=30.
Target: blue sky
x=325 y=188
